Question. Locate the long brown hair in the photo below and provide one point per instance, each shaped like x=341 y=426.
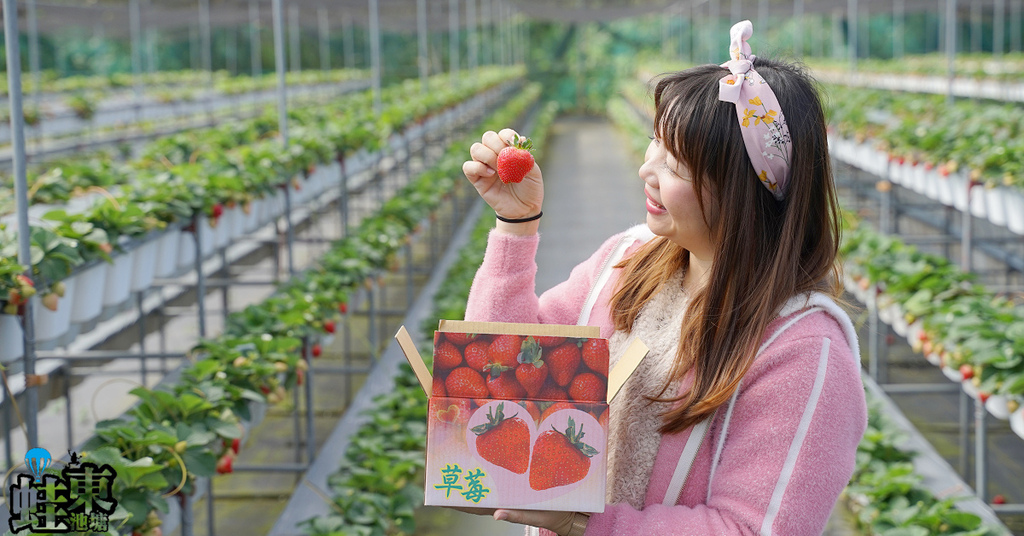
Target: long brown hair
x=766 y=250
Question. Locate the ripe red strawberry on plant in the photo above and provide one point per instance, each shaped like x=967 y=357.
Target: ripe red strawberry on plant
x=563 y=360
x=224 y=464
x=466 y=383
x=588 y=387
x=515 y=160
x=504 y=441
x=317 y=350
x=329 y=326
x=446 y=356
x=595 y=355
x=560 y=459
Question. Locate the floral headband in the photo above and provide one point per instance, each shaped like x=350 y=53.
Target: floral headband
x=765 y=132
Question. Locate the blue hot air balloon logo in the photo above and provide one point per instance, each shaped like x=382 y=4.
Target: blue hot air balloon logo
x=37 y=460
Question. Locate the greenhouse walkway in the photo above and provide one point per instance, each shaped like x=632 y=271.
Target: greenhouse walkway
x=592 y=191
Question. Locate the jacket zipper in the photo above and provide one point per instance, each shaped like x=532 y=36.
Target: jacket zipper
x=604 y=265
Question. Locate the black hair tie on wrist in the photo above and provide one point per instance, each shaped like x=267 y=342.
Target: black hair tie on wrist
x=519 y=220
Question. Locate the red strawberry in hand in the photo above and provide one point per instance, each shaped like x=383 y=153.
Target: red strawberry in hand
x=595 y=355
x=560 y=459
x=505 y=442
x=563 y=361
x=515 y=161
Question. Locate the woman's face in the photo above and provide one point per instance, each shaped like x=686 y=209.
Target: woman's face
x=672 y=207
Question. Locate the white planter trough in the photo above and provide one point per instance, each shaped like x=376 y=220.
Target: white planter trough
x=1017 y=422
x=49 y=324
x=959 y=186
x=996 y=405
x=167 y=249
x=945 y=188
x=979 y=207
x=931 y=188
x=117 y=288
x=12 y=339
x=88 y=301
x=934 y=359
x=186 y=251
x=144 y=265
x=952 y=373
x=251 y=221
x=208 y=236
x=1014 y=210
x=970 y=389
x=995 y=204
x=222 y=233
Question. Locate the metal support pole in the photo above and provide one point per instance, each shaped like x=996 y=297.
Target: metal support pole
x=21 y=201
x=350 y=41
x=206 y=44
x=255 y=47
x=980 y=450
x=295 y=46
x=282 y=102
x=998 y=27
x=951 y=23
x=965 y=430
x=200 y=277
x=899 y=16
x=186 y=516
x=231 y=51
x=325 y=32
x=798 y=35
x=1015 y=25
x=421 y=31
x=8 y=420
x=33 y=50
x=487 y=23
x=225 y=304
x=762 y=13
x=211 y=528
x=289 y=229
x=135 y=29
x=68 y=409
x=471 y=34
x=453 y=40
x=852 y=33
x=310 y=426
x=976 y=25
x=142 y=338
x=375 y=55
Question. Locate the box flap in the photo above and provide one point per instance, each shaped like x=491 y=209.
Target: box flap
x=418 y=366
x=505 y=328
x=626 y=366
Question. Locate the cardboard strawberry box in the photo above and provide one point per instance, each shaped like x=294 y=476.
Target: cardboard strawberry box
x=518 y=414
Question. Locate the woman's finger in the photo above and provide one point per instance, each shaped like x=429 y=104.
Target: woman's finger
x=496 y=141
x=475 y=170
x=482 y=153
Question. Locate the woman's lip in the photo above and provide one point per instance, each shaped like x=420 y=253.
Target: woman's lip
x=655 y=203
x=654 y=208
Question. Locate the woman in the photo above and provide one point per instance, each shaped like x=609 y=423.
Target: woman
x=745 y=416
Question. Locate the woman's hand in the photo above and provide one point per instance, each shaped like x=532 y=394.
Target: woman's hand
x=511 y=200
x=557 y=522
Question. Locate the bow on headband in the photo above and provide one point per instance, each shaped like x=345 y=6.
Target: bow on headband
x=764 y=128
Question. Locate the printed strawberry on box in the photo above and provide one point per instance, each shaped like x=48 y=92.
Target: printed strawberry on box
x=518 y=414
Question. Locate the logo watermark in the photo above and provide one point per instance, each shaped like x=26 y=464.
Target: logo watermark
x=78 y=499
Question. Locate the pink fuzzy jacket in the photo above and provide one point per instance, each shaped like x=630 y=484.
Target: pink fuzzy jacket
x=774 y=459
